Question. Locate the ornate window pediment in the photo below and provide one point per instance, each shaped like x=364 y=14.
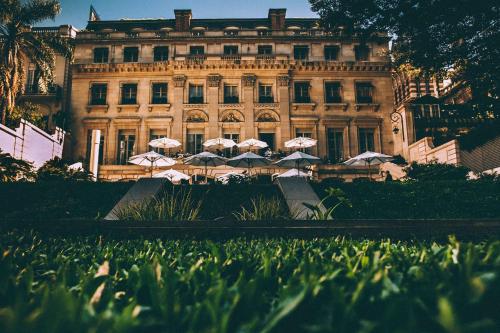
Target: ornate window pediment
x=232 y=116
x=196 y=116
x=267 y=116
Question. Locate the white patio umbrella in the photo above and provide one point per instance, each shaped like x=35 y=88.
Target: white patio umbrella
x=205 y=159
x=152 y=159
x=220 y=143
x=224 y=179
x=173 y=175
x=165 y=143
x=298 y=160
x=300 y=143
x=248 y=160
x=292 y=173
x=368 y=158
x=252 y=144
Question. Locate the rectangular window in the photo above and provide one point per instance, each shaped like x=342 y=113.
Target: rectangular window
x=230 y=94
x=268 y=138
x=361 y=53
x=230 y=49
x=195 y=94
x=304 y=133
x=157 y=134
x=364 y=92
x=194 y=143
x=265 y=49
x=98 y=92
x=236 y=138
x=332 y=92
x=302 y=92
x=266 y=93
x=196 y=50
x=331 y=52
x=161 y=53
x=335 y=140
x=126 y=146
x=160 y=92
x=89 y=146
x=129 y=93
x=301 y=52
x=131 y=54
x=366 y=139
x=101 y=55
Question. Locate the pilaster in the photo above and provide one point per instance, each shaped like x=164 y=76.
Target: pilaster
x=177 y=106
x=284 y=109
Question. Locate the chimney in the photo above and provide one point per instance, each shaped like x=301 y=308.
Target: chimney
x=277 y=18
x=182 y=19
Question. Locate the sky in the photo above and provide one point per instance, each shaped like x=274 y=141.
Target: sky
x=75 y=12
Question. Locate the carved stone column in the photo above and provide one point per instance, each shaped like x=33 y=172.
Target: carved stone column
x=248 y=83
x=213 y=83
x=177 y=107
x=284 y=108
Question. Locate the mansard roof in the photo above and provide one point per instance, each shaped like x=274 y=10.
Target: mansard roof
x=209 y=24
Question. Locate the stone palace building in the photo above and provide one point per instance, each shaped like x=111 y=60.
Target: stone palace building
x=189 y=79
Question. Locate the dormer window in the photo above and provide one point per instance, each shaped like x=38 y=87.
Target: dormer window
x=132 y=34
x=263 y=32
x=231 y=33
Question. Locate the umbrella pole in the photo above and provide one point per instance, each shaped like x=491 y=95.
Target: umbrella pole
x=152 y=169
x=206 y=172
x=369 y=170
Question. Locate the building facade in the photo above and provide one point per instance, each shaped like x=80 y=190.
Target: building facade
x=271 y=78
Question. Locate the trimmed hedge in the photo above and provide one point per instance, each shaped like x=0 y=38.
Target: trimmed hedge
x=370 y=200
x=45 y=200
x=418 y=200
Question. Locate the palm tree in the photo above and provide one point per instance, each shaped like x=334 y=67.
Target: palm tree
x=20 y=45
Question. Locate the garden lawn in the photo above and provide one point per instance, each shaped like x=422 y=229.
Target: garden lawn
x=95 y=284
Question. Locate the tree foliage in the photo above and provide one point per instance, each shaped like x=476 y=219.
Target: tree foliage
x=457 y=39
x=436 y=171
x=29 y=112
x=19 y=44
x=58 y=169
x=13 y=169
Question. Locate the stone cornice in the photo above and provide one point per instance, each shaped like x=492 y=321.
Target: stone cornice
x=288 y=65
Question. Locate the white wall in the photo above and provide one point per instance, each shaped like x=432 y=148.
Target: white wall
x=30 y=143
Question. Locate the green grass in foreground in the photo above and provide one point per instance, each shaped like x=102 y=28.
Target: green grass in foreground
x=94 y=284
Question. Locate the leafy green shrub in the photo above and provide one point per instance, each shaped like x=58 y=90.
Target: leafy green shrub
x=417 y=200
x=262 y=209
x=173 y=205
x=318 y=213
x=57 y=170
x=56 y=200
x=13 y=169
x=436 y=171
